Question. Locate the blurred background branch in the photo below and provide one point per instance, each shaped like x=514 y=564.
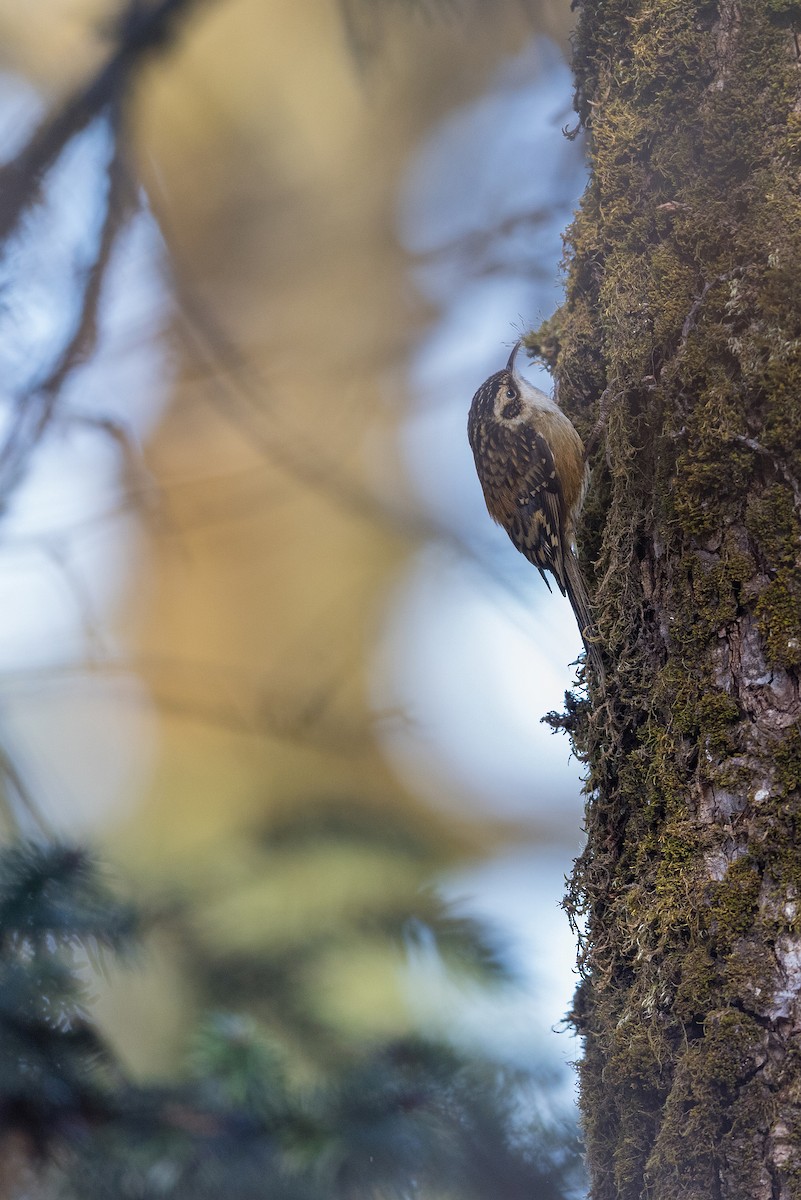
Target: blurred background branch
x=141 y=29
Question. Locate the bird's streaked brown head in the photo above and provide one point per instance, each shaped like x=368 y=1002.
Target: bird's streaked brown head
x=498 y=400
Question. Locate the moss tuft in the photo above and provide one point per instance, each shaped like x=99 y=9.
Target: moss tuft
x=732 y=905
x=544 y=343
x=779 y=613
x=787 y=762
x=773 y=526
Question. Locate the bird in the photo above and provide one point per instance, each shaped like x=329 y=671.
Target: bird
x=533 y=471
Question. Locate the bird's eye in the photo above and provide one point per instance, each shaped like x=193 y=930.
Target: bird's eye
x=510 y=393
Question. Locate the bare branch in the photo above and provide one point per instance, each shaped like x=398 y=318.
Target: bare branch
x=142 y=31
x=35 y=411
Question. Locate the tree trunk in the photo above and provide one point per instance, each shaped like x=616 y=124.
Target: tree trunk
x=684 y=309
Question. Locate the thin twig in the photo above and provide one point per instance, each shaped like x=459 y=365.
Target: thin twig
x=35 y=411
x=691 y=319
x=142 y=31
x=604 y=404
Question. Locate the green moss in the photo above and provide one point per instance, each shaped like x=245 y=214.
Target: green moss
x=711 y=480
x=674 y=286
x=717 y=714
x=787 y=764
x=749 y=975
x=698 y=986
x=635 y=1075
x=784 y=12
x=677 y=871
x=687 y=1155
x=772 y=523
x=732 y=905
x=779 y=613
x=715 y=590
x=684 y=302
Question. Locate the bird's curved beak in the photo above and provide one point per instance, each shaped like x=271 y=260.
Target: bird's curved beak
x=510 y=366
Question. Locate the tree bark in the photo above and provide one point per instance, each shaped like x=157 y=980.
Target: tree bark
x=683 y=310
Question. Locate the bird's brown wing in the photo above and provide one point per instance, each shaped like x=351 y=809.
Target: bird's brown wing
x=536 y=522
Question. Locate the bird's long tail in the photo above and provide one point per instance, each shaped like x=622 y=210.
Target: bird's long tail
x=577 y=595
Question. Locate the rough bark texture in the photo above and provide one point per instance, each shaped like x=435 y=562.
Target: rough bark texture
x=684 y=302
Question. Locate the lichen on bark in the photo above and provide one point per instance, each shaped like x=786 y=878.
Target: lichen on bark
x=683 y=305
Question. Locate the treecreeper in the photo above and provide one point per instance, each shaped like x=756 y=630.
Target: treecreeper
x=534 y=473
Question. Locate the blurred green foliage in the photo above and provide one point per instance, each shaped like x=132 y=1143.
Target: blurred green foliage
x=406 y=1116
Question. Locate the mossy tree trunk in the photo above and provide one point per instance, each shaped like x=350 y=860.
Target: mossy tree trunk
x=684 y=308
